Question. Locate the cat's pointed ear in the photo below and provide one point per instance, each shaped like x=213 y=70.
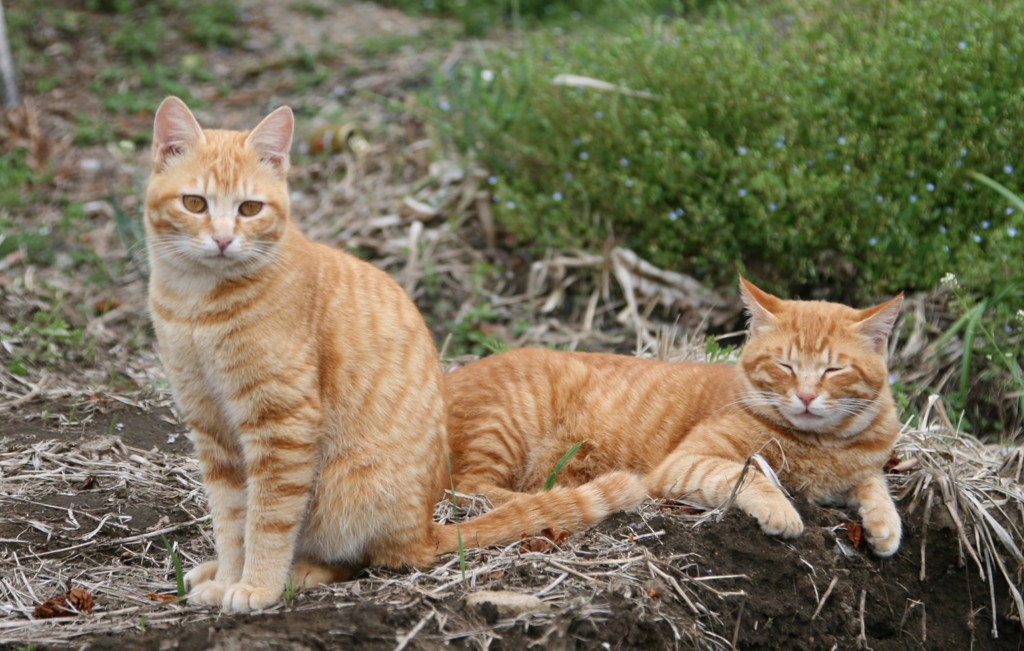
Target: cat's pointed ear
x=175 y=130
x=876 y=322
x=272 y=138
x=761 y=305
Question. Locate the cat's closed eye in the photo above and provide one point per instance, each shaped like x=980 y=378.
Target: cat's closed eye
x=786 y=367
x=832 y=370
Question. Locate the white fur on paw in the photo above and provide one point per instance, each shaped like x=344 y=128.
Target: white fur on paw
x=780 y=520
x=207 y=593
x=884 y=535
x=201 y=574
x=242 y=598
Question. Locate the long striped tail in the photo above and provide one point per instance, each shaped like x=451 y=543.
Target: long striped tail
x=573 y=508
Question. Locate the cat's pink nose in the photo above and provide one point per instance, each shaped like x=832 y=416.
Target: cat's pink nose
x=806 y=397
x=224 y=242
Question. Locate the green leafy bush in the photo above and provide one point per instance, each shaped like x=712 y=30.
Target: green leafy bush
x=812 y=144
x=480 y=16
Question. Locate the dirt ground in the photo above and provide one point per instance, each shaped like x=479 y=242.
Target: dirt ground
x=656 y=578
x=96 y=472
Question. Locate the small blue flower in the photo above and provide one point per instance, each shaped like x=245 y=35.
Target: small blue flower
x=967 y=186
x=444 y=105
x=1009 y=211
x=911 y=174
x=810 y=163
x=879 y=198
x=1011 y=231
x=873 y=241
x=629 y=183
x=948 y=209
x=943 y=230
x=742 y=192
x=624 y=162
x=492 y=180
x=576 y=142
x=679 y=212
x=1008 y=169
x=598 y=114
x=963 y=152
x=741 y=150
x=672 y=216
x=780 y=142
x=893 y=379
x=976 y=237
x=913 y=198
x=567 y=176
x=841 y=140
x=557 y=196
x=962 y=45
x=510 y=205
x=946 y=248
x=846 y=168
x=986 y=223
x=830 y=155
x=772 y=207
x=584 y=155
x=930 y=187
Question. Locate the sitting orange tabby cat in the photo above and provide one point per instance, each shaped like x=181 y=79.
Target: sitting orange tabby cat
x=810 y=394
x=309 y=380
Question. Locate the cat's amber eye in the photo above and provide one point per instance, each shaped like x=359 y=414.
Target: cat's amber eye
x=194 y=203
x=250 y=208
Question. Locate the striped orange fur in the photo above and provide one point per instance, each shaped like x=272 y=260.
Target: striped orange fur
x=308 y=378
x=810 y=394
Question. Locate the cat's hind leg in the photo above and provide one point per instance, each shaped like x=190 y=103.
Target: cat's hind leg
x=201 y=574
x=712 y=480
x=310 y=574
x=470 y=485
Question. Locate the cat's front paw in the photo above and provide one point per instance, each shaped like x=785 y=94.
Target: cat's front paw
x=207 y=593
x=884 y=530
x=201 y=574
x=242 y=598
x=779 y=520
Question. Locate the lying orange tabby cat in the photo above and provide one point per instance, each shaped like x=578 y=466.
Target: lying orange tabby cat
x=309 y=380
x=810 y=394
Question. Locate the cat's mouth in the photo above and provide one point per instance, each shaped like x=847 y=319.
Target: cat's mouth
x=806 y=416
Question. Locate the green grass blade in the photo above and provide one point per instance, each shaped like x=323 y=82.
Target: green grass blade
x=550 y=482
x=1001 y=189
x=965 y=360
x=179 y=575
x=458 y=529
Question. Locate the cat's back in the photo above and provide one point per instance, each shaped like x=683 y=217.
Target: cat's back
x=630 y=411
x=617 y=378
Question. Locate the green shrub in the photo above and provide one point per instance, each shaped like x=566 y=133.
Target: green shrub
x=477 y=17
x=15 y=177
x=812 y=144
